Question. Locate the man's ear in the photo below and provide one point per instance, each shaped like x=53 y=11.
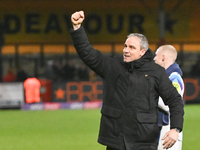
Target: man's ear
x=143 y=51
x=163 y=57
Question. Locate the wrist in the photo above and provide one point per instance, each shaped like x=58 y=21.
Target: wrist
x=75 y=27
x=177 y=130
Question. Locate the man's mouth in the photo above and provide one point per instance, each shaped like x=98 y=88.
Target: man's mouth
x=125 y=56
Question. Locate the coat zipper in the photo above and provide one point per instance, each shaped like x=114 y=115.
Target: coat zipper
x=149 y=88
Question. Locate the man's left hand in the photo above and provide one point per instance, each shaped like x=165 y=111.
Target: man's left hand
x=170 y=138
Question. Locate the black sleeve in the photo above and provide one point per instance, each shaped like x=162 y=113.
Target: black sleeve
x=93 y=58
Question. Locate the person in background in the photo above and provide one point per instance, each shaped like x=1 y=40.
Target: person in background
x=21 y=74
x=10 y=76
x=195 y=69
x=83 y=73
x=166 y=56
x=32 y=90
x=68 y=71
x=132 y=84
x=52 y=70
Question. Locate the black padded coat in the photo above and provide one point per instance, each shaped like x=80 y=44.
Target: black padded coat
x=130 y=97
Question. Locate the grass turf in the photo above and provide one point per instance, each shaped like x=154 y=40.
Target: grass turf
x=71 y=129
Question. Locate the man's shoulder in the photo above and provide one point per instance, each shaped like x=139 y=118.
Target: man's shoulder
x=155 y=70
x=176 y=77
x=177 y=81
x=155 y=67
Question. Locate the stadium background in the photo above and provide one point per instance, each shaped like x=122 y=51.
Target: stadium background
x=37 y=40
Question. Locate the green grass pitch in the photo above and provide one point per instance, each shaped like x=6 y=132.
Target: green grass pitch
x=71 y=129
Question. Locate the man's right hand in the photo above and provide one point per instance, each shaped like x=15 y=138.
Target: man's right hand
x=77 y=18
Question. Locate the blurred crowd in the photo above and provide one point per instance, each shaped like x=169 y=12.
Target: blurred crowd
x=70 y=71
x=19 y=76
x=55 y=71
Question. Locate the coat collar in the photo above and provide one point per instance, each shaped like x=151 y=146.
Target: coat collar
x=136 y=64
x=174 y=68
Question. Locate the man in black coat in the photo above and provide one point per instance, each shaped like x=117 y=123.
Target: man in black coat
x=132 y=86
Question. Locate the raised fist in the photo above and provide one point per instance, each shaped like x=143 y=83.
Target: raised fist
x=77 y=18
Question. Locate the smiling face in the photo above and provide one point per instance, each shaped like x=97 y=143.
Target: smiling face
x=132 y=49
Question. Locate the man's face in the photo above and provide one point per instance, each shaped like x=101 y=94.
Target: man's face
x=159 y=58
x=132 y=50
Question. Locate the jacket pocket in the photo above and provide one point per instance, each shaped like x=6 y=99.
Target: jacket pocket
x=147 y=118
x=147 y=128
x=110 y=126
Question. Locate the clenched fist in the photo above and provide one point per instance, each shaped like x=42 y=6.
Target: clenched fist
x=77 y=18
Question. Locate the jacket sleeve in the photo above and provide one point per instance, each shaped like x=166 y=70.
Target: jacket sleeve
x=178 y=83
x=173 y=99
x=93 y=58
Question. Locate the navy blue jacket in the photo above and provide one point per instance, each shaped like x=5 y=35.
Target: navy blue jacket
x=163 y=117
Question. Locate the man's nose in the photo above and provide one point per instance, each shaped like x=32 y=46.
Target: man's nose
x=125 y=50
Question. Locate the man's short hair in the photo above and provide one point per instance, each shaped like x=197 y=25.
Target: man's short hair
x=143 y=40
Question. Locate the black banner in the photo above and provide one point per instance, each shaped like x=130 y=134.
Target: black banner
x=93 y=91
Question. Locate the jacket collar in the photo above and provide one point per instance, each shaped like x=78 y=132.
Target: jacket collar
x=136 y=64
x=174 y=68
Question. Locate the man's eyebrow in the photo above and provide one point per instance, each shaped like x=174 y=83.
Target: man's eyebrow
x=132 y=46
